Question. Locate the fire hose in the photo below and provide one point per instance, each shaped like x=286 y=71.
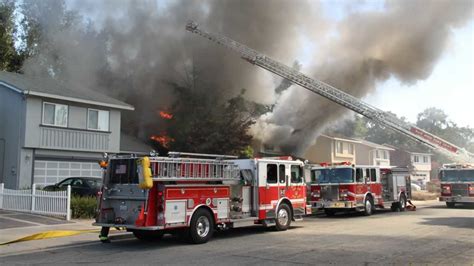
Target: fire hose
x=410 y=206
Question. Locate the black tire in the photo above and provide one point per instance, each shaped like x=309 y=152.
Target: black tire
x=450 y=204
x=283 y=217
x=201 y=228
x=394 y=207
x=368 y=206
x=329 y=212
x=148 y=235
x=402 y=203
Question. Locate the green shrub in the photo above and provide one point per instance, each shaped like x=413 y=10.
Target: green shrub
x=83 y=207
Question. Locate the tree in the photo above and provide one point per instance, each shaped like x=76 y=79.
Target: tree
x=436 y=121
x=11 y=59
x=433 y=120
x=203 y=123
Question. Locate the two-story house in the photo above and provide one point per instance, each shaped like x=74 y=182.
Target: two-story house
x=369 y=153
x=50 y=130
x=418 y=162
x=332 y=150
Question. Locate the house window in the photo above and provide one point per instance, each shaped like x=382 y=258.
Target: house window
x=425 y=159
x=377 y=154
x=98 y=120
x=350 y=148
x=416 y=159
x=339 y=148
x=385 y=154
x=55 y=114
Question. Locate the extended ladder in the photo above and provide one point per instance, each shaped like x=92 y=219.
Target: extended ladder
x=337 y=96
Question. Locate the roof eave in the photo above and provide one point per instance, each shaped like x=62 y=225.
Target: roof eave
x=72 y=99
x=11 y=87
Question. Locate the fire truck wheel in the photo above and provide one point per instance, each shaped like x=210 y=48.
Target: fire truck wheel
x=283 y=219
x=148 y=235
x=201 y=227
x=368 y=206
x=450 y=204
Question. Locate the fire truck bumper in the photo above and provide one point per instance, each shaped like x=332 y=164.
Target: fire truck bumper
x=457 y=199
x=129 y=226
x=333 y=204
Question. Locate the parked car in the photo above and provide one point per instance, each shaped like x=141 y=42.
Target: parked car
x=81 y=186
x=415 y=187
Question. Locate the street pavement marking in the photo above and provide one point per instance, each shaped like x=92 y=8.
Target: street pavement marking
x=51 y=234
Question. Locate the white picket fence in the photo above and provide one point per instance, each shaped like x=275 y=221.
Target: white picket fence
x=53 y=203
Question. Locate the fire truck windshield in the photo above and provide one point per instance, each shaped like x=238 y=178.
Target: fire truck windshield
x=457 y=175
x=332 y=175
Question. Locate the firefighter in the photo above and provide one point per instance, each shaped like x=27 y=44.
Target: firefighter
x=104 y=235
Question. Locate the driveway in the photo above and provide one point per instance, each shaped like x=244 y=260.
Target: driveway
x=11 y=219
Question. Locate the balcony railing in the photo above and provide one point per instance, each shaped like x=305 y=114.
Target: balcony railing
x=73 y=139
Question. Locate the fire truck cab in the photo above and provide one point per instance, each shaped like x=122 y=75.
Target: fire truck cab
x=457 y=184
x=347 y=187
x=194 y=195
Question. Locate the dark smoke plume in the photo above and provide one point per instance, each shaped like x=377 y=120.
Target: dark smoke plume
x=405 y=41
x=133 y=49
x=138 y=47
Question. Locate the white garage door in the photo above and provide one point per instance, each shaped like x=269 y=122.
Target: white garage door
x=51 y=172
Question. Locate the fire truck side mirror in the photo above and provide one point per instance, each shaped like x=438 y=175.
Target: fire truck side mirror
x=144 y=173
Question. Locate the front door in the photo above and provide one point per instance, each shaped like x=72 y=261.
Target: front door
x=271 y=187
x=296 y=189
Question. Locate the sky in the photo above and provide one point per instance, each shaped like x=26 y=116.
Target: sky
x=450 y=86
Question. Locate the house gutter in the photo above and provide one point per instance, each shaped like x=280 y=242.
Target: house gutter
x=66 y=98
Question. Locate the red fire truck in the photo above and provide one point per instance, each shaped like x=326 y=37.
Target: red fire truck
x=197 y=193
x=457 y=184
x=345 y=187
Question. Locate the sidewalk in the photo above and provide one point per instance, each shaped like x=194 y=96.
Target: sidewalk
x=16 y=225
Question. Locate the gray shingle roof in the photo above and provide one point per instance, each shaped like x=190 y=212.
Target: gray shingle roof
x=130 y=144
x=46 y=87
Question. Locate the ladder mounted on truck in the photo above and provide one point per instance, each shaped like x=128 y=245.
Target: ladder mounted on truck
x=190 y=168
x=337 y=96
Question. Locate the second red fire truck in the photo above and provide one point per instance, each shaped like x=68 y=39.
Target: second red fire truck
x=193 y=194
x=457 y=184
x=345 y=186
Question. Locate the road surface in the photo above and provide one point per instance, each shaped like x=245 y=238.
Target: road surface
x=430 y=235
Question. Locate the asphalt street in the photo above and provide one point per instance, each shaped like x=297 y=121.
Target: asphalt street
x=430 y=235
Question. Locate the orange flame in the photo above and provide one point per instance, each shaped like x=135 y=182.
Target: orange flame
x=166 y=115
x=165 y=141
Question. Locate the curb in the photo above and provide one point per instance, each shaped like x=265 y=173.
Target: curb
x=51 y=234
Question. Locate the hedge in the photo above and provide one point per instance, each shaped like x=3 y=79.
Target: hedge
x=83 y=207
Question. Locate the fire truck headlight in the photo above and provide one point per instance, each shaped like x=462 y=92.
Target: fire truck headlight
x=316 y=194
x=446 y=189
x=343 y=193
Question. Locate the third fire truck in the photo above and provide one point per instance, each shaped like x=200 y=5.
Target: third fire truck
x=346 y=187
x=457 y=184
x=193 y=194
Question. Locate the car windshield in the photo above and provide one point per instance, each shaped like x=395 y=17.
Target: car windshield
x=332 y=175
x=457 y=175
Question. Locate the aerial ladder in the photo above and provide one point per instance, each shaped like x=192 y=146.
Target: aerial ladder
x=381 y=117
